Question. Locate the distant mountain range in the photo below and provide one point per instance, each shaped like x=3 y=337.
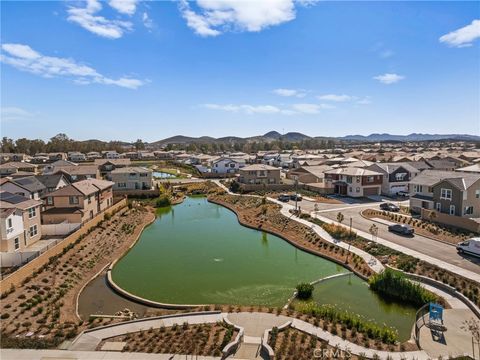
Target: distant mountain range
x=297 y=137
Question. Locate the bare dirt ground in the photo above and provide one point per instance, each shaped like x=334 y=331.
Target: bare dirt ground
x=43 y=308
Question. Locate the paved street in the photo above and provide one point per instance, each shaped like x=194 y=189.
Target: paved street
x=424 y=245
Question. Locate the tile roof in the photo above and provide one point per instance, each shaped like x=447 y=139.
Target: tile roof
x=51 y=181
x=255 y=167
x=10 y=200
x=30 y=183
x=352 y=171
x=131 y=169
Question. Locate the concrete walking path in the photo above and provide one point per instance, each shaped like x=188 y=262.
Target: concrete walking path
x=30 y=354
x=90 y=339
x=444 y=265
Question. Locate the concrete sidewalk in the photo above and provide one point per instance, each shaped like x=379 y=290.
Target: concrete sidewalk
x=444 y=265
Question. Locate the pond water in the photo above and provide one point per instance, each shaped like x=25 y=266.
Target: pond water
x=197 y=253
x=353 y=294
x=163 y=175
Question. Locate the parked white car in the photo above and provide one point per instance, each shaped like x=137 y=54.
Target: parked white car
x=470 y=246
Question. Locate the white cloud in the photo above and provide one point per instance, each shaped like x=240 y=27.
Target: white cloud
x=24 y=58
x=147 y=21
x=364 y=101
x=214 y=17
x=463 y=37
x=124 y=6
x=99 y=25
x=247 y=109
x=290 y=92
x=334 y=97
x=13 y=113
x=311 y=108
x=389 y=78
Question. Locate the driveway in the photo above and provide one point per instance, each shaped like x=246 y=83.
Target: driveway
x=424 y=245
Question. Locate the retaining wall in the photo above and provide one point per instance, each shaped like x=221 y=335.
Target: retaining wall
x=27 y=270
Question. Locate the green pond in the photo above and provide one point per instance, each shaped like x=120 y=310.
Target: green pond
x=197 y=253
x=352 y=294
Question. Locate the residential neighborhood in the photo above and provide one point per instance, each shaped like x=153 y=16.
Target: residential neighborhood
x=239 y=179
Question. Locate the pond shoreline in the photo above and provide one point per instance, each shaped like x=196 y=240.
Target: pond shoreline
x=285 y=237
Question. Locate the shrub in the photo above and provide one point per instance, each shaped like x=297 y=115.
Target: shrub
x=163 y=201
x=395 y=284
x=304 y=291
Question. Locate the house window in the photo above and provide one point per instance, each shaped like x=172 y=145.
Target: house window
x=10 y=223
x=349 y=179
x=370 y=179
x=400 y=176
x=446 y=194
x=468 y=210
x=477 y=194
x=33 y=230
x=89 y=199
x=357 y=190
x=438 y=206
x=122 y=185
x=32 y=212
x=350 y=189
x=49 y=200
x=73 y=200
x=452 y=209
x=417 y=188
x=16 y=244
x=143 y=175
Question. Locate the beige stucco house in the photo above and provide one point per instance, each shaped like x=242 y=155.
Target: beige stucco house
x=78 y=202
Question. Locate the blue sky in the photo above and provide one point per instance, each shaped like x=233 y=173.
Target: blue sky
x=130 y=69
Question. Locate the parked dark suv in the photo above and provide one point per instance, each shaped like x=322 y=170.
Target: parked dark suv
x=284 y=197
x=389 y=207
x=402 y=229
x=297 y=197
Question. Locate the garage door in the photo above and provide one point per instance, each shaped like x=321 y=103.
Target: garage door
x=371 y=191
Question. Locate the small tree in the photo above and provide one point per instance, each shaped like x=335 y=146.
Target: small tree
x=473 y=327
x=304 y=291
x=340 y=217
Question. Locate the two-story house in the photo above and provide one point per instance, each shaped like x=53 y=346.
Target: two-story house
x=425 y=190
x=19 y=221
x=77 y=202
x=354 y=182
x=29 y=186
x=259 y=174
x=77 y=156
x=53 y=182
x=10 y=168
x=106 y=166
x=132 y=178
x=396 y=176
x=458 y=196
x=227 y=166
x=78 y=172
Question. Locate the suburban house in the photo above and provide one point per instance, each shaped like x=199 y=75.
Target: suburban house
x=56 y=156
x=6 y=157
x=442 y=164
x=78 y=172
x=458 y=196
x=132 y=178
x=475 y=168
x=53 y=182
x=396 y=176
x=354 y=182
x=111 y=154
x=77 y=156
x=421 y=188
x=106 y=166
x=92 y=155
x=50 y=168
x=227 y=166
x=309 y=174
x=14 y=167
x=29 y=187
x=19 y=221
x=259 y=174
x=77 y=202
